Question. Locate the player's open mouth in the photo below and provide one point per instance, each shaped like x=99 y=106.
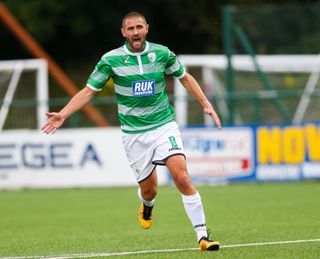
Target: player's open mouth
x=136 y=41
x=136 y=44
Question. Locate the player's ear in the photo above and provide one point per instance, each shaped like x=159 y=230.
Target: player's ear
x=147 y=28
x=122 y=31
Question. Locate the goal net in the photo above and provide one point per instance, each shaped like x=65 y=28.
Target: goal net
x=23 y=93
x=266 y=89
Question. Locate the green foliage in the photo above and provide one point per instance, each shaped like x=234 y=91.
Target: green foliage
x=281 y=29
x=71 y=28
x=78 y=32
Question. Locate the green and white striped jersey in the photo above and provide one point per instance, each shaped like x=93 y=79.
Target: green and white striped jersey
x=140 y=86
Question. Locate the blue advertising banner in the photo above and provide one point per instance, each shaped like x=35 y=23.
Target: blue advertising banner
x=262 y=153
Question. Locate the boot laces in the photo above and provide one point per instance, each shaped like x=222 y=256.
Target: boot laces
x=207 y=238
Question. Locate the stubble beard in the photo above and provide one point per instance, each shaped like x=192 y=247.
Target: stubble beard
x=137 y=43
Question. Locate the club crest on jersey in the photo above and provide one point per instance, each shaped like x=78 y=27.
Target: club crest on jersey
x=152 y=56
x=143 y=87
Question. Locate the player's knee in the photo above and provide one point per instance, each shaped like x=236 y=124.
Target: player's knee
x=149 y=193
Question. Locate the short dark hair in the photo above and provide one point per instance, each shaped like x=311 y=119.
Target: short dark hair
x=133 y=14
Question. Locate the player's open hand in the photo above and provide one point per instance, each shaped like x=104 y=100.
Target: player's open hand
x=210 y=111
x=54 y=122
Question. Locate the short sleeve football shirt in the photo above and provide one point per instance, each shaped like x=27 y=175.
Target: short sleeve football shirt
x=140 y=85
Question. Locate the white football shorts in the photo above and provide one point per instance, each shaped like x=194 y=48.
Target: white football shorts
x=147 y=150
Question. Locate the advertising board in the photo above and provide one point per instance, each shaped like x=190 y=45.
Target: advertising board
x=288 y=152
x=68 y=158
x=95 y=157
x=214 y=155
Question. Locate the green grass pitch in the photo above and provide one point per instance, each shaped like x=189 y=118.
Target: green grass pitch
x=83 y=221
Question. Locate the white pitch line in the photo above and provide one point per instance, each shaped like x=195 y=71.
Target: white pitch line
x=88 y=255
x=273 y=243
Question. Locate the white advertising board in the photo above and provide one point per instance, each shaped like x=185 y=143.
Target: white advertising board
x=68 y=158
x=214 y=155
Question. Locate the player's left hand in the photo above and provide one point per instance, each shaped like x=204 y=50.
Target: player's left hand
x=211 y=112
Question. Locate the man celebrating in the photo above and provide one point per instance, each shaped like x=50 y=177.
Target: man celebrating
x=150 y=134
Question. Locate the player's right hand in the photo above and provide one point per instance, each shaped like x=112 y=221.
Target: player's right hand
x=54 y=122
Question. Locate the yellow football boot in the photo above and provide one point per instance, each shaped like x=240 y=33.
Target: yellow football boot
x=206 y=244
x=145 y=216
x=210 y=245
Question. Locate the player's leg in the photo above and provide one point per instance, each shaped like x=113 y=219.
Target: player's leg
x=148 y=188
x=147 y=192
x=139 y=150
x=191 y=200
x=177 y=167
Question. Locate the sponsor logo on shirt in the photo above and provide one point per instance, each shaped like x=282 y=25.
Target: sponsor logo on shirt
x=143 y=87
x=126 y=60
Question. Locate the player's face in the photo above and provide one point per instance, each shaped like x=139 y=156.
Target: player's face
x=135 y=30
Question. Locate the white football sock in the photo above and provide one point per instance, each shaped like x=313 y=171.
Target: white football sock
x=147 y=203
x=193 y=206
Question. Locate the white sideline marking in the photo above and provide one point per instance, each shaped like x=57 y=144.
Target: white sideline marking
x=71 y=256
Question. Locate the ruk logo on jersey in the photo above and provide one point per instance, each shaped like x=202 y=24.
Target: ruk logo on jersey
x=143 y=87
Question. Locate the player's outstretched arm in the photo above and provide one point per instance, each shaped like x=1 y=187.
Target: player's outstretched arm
x=56 y=119
x=193 y=87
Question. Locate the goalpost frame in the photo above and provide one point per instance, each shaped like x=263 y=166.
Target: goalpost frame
x=268 y=63
x=42 y=95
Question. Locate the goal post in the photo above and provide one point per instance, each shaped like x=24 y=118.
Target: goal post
x=23 y=83
x=295 y=79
